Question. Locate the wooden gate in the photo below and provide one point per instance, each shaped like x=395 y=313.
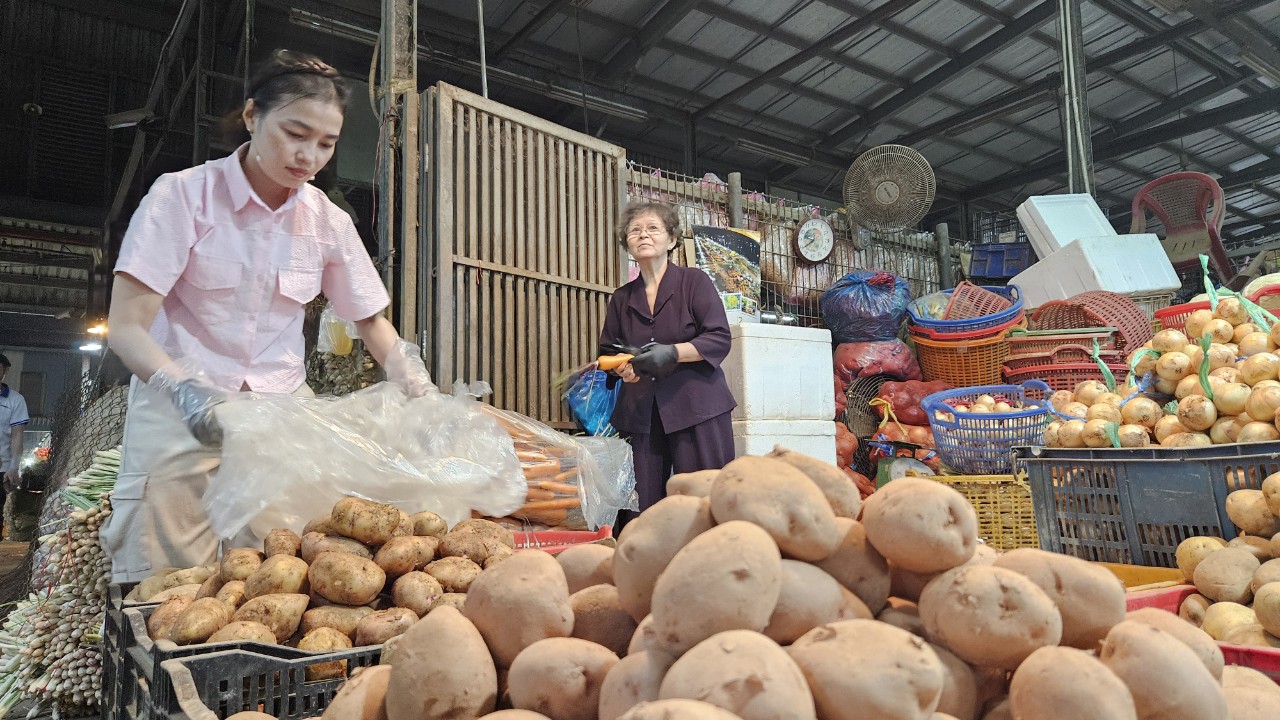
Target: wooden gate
x=518 y=256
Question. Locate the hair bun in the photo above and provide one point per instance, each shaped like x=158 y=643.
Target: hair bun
x=288 y=62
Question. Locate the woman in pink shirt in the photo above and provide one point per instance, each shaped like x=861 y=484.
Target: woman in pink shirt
x=210 y=288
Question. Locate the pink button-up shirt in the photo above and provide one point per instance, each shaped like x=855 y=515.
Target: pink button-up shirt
x=235 y=274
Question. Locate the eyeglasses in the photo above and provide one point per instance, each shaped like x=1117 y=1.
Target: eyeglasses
x=635 y=230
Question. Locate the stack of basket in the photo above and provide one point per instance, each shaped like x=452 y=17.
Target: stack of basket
x=1175 y=317
x=961 y=335
x=1063 y=358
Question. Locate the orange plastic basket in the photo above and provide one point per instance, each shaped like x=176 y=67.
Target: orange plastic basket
x=1096 y=308
x=963 y=364
x=969 y=301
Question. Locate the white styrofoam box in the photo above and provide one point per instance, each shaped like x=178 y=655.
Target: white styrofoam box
x=1125 y=264
x=1054 y=221
x=780 y=372
x=815 y=438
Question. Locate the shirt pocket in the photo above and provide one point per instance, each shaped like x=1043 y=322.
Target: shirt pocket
x=213 y=285
x=301 y=285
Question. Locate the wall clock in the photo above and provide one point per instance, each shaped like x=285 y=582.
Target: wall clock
x=814 y=240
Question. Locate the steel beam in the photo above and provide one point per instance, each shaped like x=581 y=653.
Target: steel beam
x=1077 y=135
x=63 y=260
x=655 y=29
x=396 y=181
x=1267 y=169
x=1139 y=18
x=541 y=18
x=45 y=282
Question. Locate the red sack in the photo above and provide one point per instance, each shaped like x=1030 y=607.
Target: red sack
x=846 y=445
x=857 y=360
x=905 y=399
x=865 y=485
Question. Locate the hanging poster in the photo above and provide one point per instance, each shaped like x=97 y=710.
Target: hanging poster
x=731 y=257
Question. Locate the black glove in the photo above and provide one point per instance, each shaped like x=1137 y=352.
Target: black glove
x=195 y=397
x=655 y=360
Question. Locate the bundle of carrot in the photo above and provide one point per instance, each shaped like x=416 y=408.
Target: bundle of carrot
x=549 y=460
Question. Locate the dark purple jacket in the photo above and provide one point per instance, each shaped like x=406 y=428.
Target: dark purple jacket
x=687 y=309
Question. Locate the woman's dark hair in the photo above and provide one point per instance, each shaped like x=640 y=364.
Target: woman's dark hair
x=286 y=76
x=665 y=213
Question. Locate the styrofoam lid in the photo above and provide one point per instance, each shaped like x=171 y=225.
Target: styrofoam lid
x=1067 y=217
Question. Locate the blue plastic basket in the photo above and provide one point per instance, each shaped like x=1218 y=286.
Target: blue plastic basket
x=1000 y=260
x=922 y=318
x=980 y=443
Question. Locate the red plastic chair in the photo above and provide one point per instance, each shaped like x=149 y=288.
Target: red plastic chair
x=1191 y=207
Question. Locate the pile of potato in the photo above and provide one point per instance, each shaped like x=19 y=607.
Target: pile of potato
x=1243 y=375
x=1238 y=582
x=359 y=576
x=769 y=591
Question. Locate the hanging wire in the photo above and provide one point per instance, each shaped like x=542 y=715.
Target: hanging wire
x=1177 y=91
x=582 y=73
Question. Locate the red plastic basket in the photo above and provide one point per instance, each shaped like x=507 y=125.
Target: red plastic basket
x=969 y=301
x=1031 y=342
x=920 y=331
x=553 y=541
x=1096 y=308
x=1264 y=660
x=1076 y=354
x=1175 y=317
x=1064 y=376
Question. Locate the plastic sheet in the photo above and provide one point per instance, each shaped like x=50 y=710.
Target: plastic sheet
x=865 y=305
x=288 y=459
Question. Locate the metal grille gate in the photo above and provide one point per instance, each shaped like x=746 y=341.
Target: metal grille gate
x=518 y=254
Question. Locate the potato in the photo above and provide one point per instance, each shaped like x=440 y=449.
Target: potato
x=201 y=619
x=325 y=639
x=898 y=676
x=1089 y=597
x=317 y=525
x=921 y=525
x=281 y=613
x=455 y=574
x=776 y=496
x=1271 y=493
x=857 y=565
x=635 y=679
x=500 y=553
x=426 y=683
x=643 y=639
x=429 y=524
x=560 y=677
x=363 y=697
x=1256 y=546
x=694 y=484
x=232 y=594
x=416 y=591
x=1199 y=641
x=277 y=574
x=250 y=715
x=346 y=579
x=598 y=617
x=989 y=616
x=647 y=544
x=282 y=541
x=993 y=687
x=809 y=598
x=239 y=564
x=211 y=586
x=187 y=591
x=144 y=591
x=518 y=602
x=1249 y=510
x=341 y=618
x=586 y=565
x=1165 y=677
x=190 y=576
x=1251 y=635
x=852 y=607
x=427 y=548
x=1267 y=572
x=743 y=672
x=515 y=715
x=904 y=615
x=453 y=600
x=398 y=556
x=1193 y=608
x=1194 y=549
x=1223 y=617
x=1250 y=694
x=1224 y=576
x=1266 y=606
x=378 y=627
x=842 y=495
x=244 y=631
x=475 y=540
x=160 y=623
x=369 y=522
x=727 y=578
x=908 y=585
x=315 y=543
x=959 y=698
x=677 y=710
x=1049 y=684
x=405 y=528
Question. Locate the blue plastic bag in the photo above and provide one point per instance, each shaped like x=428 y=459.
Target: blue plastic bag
x=865 y=306
x=591 y=401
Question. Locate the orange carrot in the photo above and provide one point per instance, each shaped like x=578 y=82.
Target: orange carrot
x=563 y=504
x=540 y=494
x=541 y=470
x=613 y=362
x=571 y=472
x=557 y=487
x=530 y=456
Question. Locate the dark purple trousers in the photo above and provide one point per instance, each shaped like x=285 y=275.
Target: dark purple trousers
x=658 y=454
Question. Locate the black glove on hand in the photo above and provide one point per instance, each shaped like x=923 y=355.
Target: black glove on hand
x=656 y=361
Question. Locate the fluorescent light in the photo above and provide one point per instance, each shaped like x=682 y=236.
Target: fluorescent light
x=99 y=329
x=337 y=28
x=1002 y=111
x=608 y=107
x=775 y=153
x=128 y=118
x=1264 y=66
x=91 y=346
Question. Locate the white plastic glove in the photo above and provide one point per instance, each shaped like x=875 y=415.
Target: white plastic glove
x=189 y=388
x=405 y=368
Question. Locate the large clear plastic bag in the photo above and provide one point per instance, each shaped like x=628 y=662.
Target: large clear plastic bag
x=287 y=459
x=865 y=306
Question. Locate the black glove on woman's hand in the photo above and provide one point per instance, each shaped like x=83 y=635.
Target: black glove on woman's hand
x=656 y=361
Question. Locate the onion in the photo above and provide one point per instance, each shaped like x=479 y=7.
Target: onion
x=962 y=408
x=1133 y=436
x=1255 y=343
x=1229 y=374
x=1220 y=330
x=1169 y=341
x=1234 y=348
x=1221 y=432
x=1095 y=434
x=1258 y=432
x=1104 y=411
x=1196 y=412
x=1060 y=399
x=1071 y=434
x=1275 y=334
x=1003 y=407
x=1168 y=425
x=1108 y=398
x=1187 y=439
x=1189 y=385
x=1145 y=365
x=1220 y=356
x=1233 y=430
x=1173 y=366
x=1231 y=310
x=1075 y=410
x=1243 y=330
x=985 y=400
x=1196 y=353
x=1263 y=402
x=980 y=409
x=1089 y=390
x=1263 y=366
x=1267 y=383
x=1141 y=411
x=1197 y=321
x=1051 y=434
x=1166 y=387
x=1231 y=397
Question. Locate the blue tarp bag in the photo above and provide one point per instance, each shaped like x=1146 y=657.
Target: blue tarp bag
x=591 y=400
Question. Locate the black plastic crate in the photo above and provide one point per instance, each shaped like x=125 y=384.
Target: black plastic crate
x=1135 y=505
x=220 y=684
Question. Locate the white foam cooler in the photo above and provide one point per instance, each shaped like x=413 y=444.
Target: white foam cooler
x=1052 y=222
x=815 y=438
x=1125 y=264
x=780 y=372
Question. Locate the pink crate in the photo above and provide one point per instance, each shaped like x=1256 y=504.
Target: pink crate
x=553 y=541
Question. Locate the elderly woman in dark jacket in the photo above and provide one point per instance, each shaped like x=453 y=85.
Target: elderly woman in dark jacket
x=675 y=405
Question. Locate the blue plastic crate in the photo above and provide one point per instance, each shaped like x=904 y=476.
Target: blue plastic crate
x=981 y=443
x=1001 y=260
x=1135 y=505
x=922 y=311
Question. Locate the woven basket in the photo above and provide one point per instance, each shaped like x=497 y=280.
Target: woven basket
x=1096 y=308
x=970 y=301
